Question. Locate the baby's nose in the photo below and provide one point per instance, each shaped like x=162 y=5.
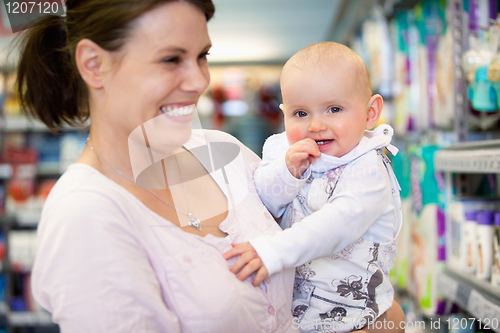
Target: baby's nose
x=316 y=126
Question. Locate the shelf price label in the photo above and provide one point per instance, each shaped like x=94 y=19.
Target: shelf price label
x=476 y=305
x=447 y=286
x=25 y=14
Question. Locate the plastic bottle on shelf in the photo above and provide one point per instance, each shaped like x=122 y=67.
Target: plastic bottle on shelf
x=481 y=92
x=469 y=241
x=495 y=269
x=484 y=234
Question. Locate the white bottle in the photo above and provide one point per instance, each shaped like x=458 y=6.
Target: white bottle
x=469 y=243
x=484 y=234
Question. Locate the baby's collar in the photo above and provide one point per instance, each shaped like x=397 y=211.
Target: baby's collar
x=378 y=138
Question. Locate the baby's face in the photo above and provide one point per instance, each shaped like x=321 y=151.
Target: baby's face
x=326 y=105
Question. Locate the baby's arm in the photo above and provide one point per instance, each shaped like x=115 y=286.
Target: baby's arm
x=277 y=177
x=360 y=199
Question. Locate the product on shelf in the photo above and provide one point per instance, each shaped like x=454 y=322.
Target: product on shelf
x=484 y=234
x=22 y=249
x=400 y=272
x=481 y=92
x=469 y=239
x=427 y=231
x=495 y=269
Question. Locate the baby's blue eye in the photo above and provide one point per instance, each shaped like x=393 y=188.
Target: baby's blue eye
x=301 y=114
x=334 y=109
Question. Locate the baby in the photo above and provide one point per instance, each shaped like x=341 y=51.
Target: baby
x=332 y=185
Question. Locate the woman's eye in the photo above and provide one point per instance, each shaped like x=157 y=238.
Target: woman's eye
x=172 y=60
x=301 y=114
x=204 y=55
x=334 y=109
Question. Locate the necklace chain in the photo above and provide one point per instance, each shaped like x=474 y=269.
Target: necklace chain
x=192 y=221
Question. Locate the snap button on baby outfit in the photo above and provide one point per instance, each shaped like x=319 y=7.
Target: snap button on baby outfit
x=271 y=310
x=232 y=230
x=386 y=131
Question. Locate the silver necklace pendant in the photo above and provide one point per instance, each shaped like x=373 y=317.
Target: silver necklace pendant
x=194 y=222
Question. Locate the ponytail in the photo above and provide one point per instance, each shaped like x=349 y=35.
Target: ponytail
x=47 y=83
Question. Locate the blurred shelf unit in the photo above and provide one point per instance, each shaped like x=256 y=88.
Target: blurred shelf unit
x=24 y=124
x=470 y=157
x=30 y=318
x=478 y=298
x=48 y=168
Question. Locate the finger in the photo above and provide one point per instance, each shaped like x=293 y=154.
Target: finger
x=251 y=267
x=311 y=159
x=237 y=250
x=311 y=149
x=310 y=142
x=296 y=158
x=260 y=276
x=243 y=260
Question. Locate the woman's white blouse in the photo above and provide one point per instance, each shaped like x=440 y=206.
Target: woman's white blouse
x=107 y=263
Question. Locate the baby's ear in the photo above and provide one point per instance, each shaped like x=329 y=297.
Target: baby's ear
x=375 y=106
x=282 y=107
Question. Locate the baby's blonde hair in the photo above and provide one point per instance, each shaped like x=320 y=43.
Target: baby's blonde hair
x=322 y=53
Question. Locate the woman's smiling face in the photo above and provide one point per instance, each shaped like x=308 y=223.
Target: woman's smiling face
x=161 y=66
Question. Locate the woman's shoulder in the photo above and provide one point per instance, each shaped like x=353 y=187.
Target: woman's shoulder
x=80 y=185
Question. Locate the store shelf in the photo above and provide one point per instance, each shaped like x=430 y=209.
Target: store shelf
x=470 y=157
x=26 y=318
x=28 y=218
x=54 y=168
x=23 y=124
x=474 y=296
x=22 y=218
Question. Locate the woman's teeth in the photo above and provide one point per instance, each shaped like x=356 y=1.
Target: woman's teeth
x=178 y=111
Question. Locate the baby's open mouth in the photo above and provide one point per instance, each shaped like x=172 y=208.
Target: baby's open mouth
x=323 y=142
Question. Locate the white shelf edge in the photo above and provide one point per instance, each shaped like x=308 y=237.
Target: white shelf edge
x=468 y=161
x=29 y=318
x=476 y=297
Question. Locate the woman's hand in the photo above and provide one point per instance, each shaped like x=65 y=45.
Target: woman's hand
x=248 y=262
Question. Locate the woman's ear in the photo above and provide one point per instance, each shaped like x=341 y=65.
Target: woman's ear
x=375 y=106
x=90 y=60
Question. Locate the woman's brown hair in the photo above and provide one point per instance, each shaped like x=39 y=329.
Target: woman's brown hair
x=48 y=82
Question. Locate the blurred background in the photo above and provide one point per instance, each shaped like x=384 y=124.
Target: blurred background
x=436 y=64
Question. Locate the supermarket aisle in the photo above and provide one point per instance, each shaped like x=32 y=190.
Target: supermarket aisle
x=437 y=66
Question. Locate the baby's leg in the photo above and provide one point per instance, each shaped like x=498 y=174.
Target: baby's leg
x=394 y=317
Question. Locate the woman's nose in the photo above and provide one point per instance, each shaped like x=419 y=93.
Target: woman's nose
x=196 y=78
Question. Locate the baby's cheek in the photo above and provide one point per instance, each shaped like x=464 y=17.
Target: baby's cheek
x=294 y=134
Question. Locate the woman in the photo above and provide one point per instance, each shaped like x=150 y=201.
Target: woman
x=117 y=256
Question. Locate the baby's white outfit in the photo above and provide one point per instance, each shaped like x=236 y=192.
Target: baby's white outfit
x=342 y=219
